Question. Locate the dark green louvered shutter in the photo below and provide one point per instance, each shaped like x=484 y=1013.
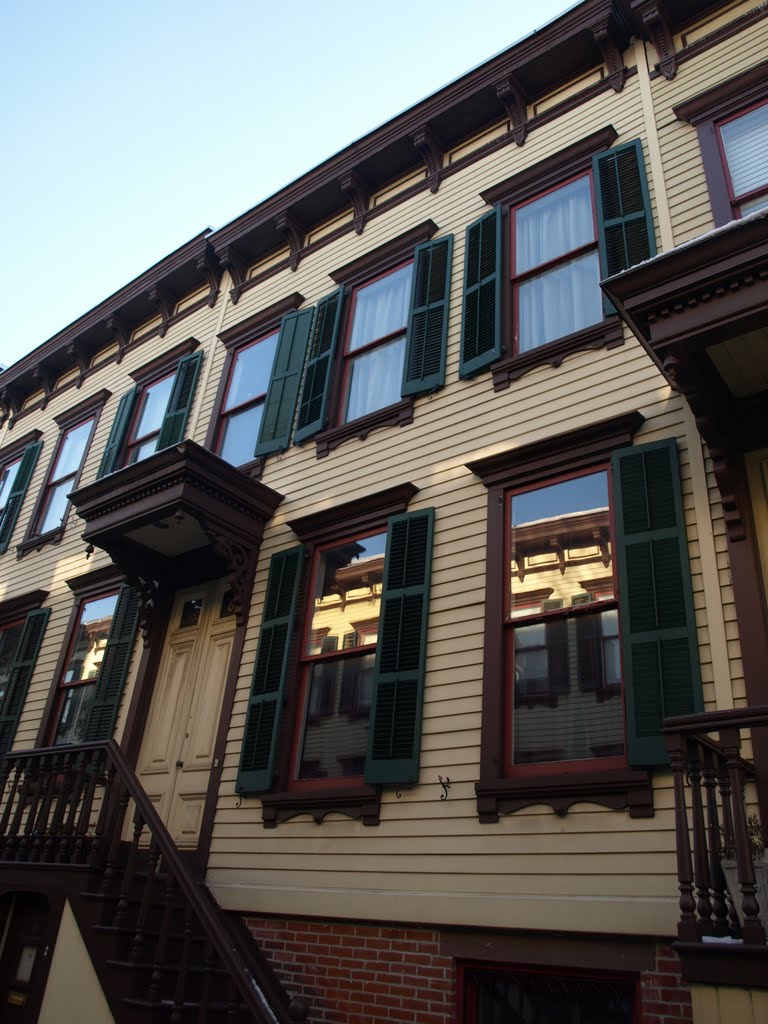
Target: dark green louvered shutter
x=180 y=401
x=624 y=217
x=111 y=456
x=18 y=678
x=424 y=364
x=280 y=403
x=114 y=667
x=394 y=737
x=481 y=316
x=660 y=650
x=257 y=758
x=18 y=491
x=317 y=372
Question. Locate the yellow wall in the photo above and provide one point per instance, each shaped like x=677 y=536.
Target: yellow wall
x=66 y=1002
x=726 y=1005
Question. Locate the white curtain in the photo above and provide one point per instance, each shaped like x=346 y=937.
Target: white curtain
x=375 y=379
x=381 y=308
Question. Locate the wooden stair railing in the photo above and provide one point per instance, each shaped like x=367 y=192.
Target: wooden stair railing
x=67 y=807
x=713 y=824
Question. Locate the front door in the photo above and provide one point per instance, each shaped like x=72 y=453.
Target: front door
x=176 y=757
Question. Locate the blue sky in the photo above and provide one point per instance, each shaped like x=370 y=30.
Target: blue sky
x=128 y=128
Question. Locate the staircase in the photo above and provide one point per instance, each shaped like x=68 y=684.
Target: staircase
x=162 y=947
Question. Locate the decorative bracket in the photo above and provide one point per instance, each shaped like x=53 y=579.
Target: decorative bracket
x=512 y=96
x=431 y=151
x=359 y=195
x=208 y=265
x=10 y=402
x=44 y=379
x=606 y=38
x=164 y=303
x=655 y=23
x=233 y=261
x=120 y=332
x=147 y=590
x=76 y=355
x=294 y=235
x=240 y=564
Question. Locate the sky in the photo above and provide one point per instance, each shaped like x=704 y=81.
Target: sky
x=127 y=128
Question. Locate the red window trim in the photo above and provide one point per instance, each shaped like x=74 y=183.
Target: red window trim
x=224 y=414
x=133 y=441
x=52 y=481
x=737 y=201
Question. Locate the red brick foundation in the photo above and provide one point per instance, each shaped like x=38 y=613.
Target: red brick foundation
x=353 y=973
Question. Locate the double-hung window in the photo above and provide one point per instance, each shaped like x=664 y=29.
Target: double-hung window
x=22 y=627
x=63 y=476
x=17 y=464
x=533 y=264
x=590 y=631
x=744 y=142
x=144 y=431
x=242 y=408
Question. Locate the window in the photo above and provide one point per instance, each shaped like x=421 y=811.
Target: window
x=95 y=667
x=589 y=607
x=532 y=288
x=63 y=476
x=391 y=313
x=243 y=406
x=744 y=142
x=154 y=414
x=22 y=627
x=351 y=682
x=10 y=635
x=17 y=464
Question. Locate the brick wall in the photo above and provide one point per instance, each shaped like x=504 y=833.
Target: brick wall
x=360 y=974
x=353 y=973
x=664 y=997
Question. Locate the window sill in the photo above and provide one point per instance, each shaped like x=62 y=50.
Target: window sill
x=38 y=541
x=355 y=801
x=606 y=334
x=617 y=788
x=392 y=416
x=253 y=469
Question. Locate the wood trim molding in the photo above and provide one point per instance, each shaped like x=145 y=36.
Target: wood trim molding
x=93 y=582
x=261 y=322
x=95 y=403
x=398 y=415
x=165 y=362
x=17 y=446
x=16 y=607
x=580 y=952
x=606 y=334
x=382 y=256
x=354 y=516
x=362 y=803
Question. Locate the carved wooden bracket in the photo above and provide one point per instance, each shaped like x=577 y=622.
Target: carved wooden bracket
x=607 y=39
x=76 y=355
x=44 y=379
x=512 y=96
x=165 y=305
x=148 y=591
x=121 y=333
x=431 y=151
x=655 y=23
x=241 y=568
x=10 y=402
x=294 y=234
x=233 y=261
x=359 y=195
x=208 y=265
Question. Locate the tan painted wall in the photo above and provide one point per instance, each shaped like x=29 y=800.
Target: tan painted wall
x=65 y=1002
x=726 y=1005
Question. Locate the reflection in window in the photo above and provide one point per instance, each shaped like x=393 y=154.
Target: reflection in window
x=9 y=642
x=745 y=146
x=563 y=628
x=339 y=656
x=78 y=683
x=145 y=432
x=243 y=406
x=62 y=476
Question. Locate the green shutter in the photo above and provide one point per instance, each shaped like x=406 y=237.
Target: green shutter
x=318 y=371
x=424 y=364
x=18 y=491
x=394 y=736
x=280 y=403
x=481 y=316
x=624 y=217
x=114 y=667
x=659 y=644
x=113 y=451
x=257 y=758
x=180 y=402
x=19 y=676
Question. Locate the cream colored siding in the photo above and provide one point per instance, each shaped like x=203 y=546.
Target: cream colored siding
x=725 y=1005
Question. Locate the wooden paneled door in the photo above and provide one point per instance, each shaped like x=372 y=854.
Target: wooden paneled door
x=176 y=756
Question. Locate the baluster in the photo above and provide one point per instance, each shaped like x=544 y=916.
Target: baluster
x=111 y=870
x=687 y=930
x=206 y=984
x=6 y=767
x=724 y=782
x=68 y=830
x=48 y=770
x=181 y=977
x=146 y=900
x=124 y=901
x=700 y=857
x=97 y=846
x=752 y=930
x=63 y=790
x=9 y=806
x=233 y=1007
x=12 y=842
x=717 y=878
x=162 y=941
x=25 y=843
x=84 y=821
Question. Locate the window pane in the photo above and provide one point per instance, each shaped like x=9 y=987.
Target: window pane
x=251 y=372
x=553 y=225
x=528 y=997
x=336 y=725
x=143 y=451
x=746 y=149
x=381 y=308
x=73 y=719
x=241 y=431
x=154 y=404
x=72 y=451
x=559 y=301
x=56 y=507
x=9 y=641
x=760 y=203
x=347 y=595
x=375 y=379
x=7 y=478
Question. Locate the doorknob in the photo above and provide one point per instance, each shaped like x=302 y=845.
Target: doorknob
x=179 y=764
